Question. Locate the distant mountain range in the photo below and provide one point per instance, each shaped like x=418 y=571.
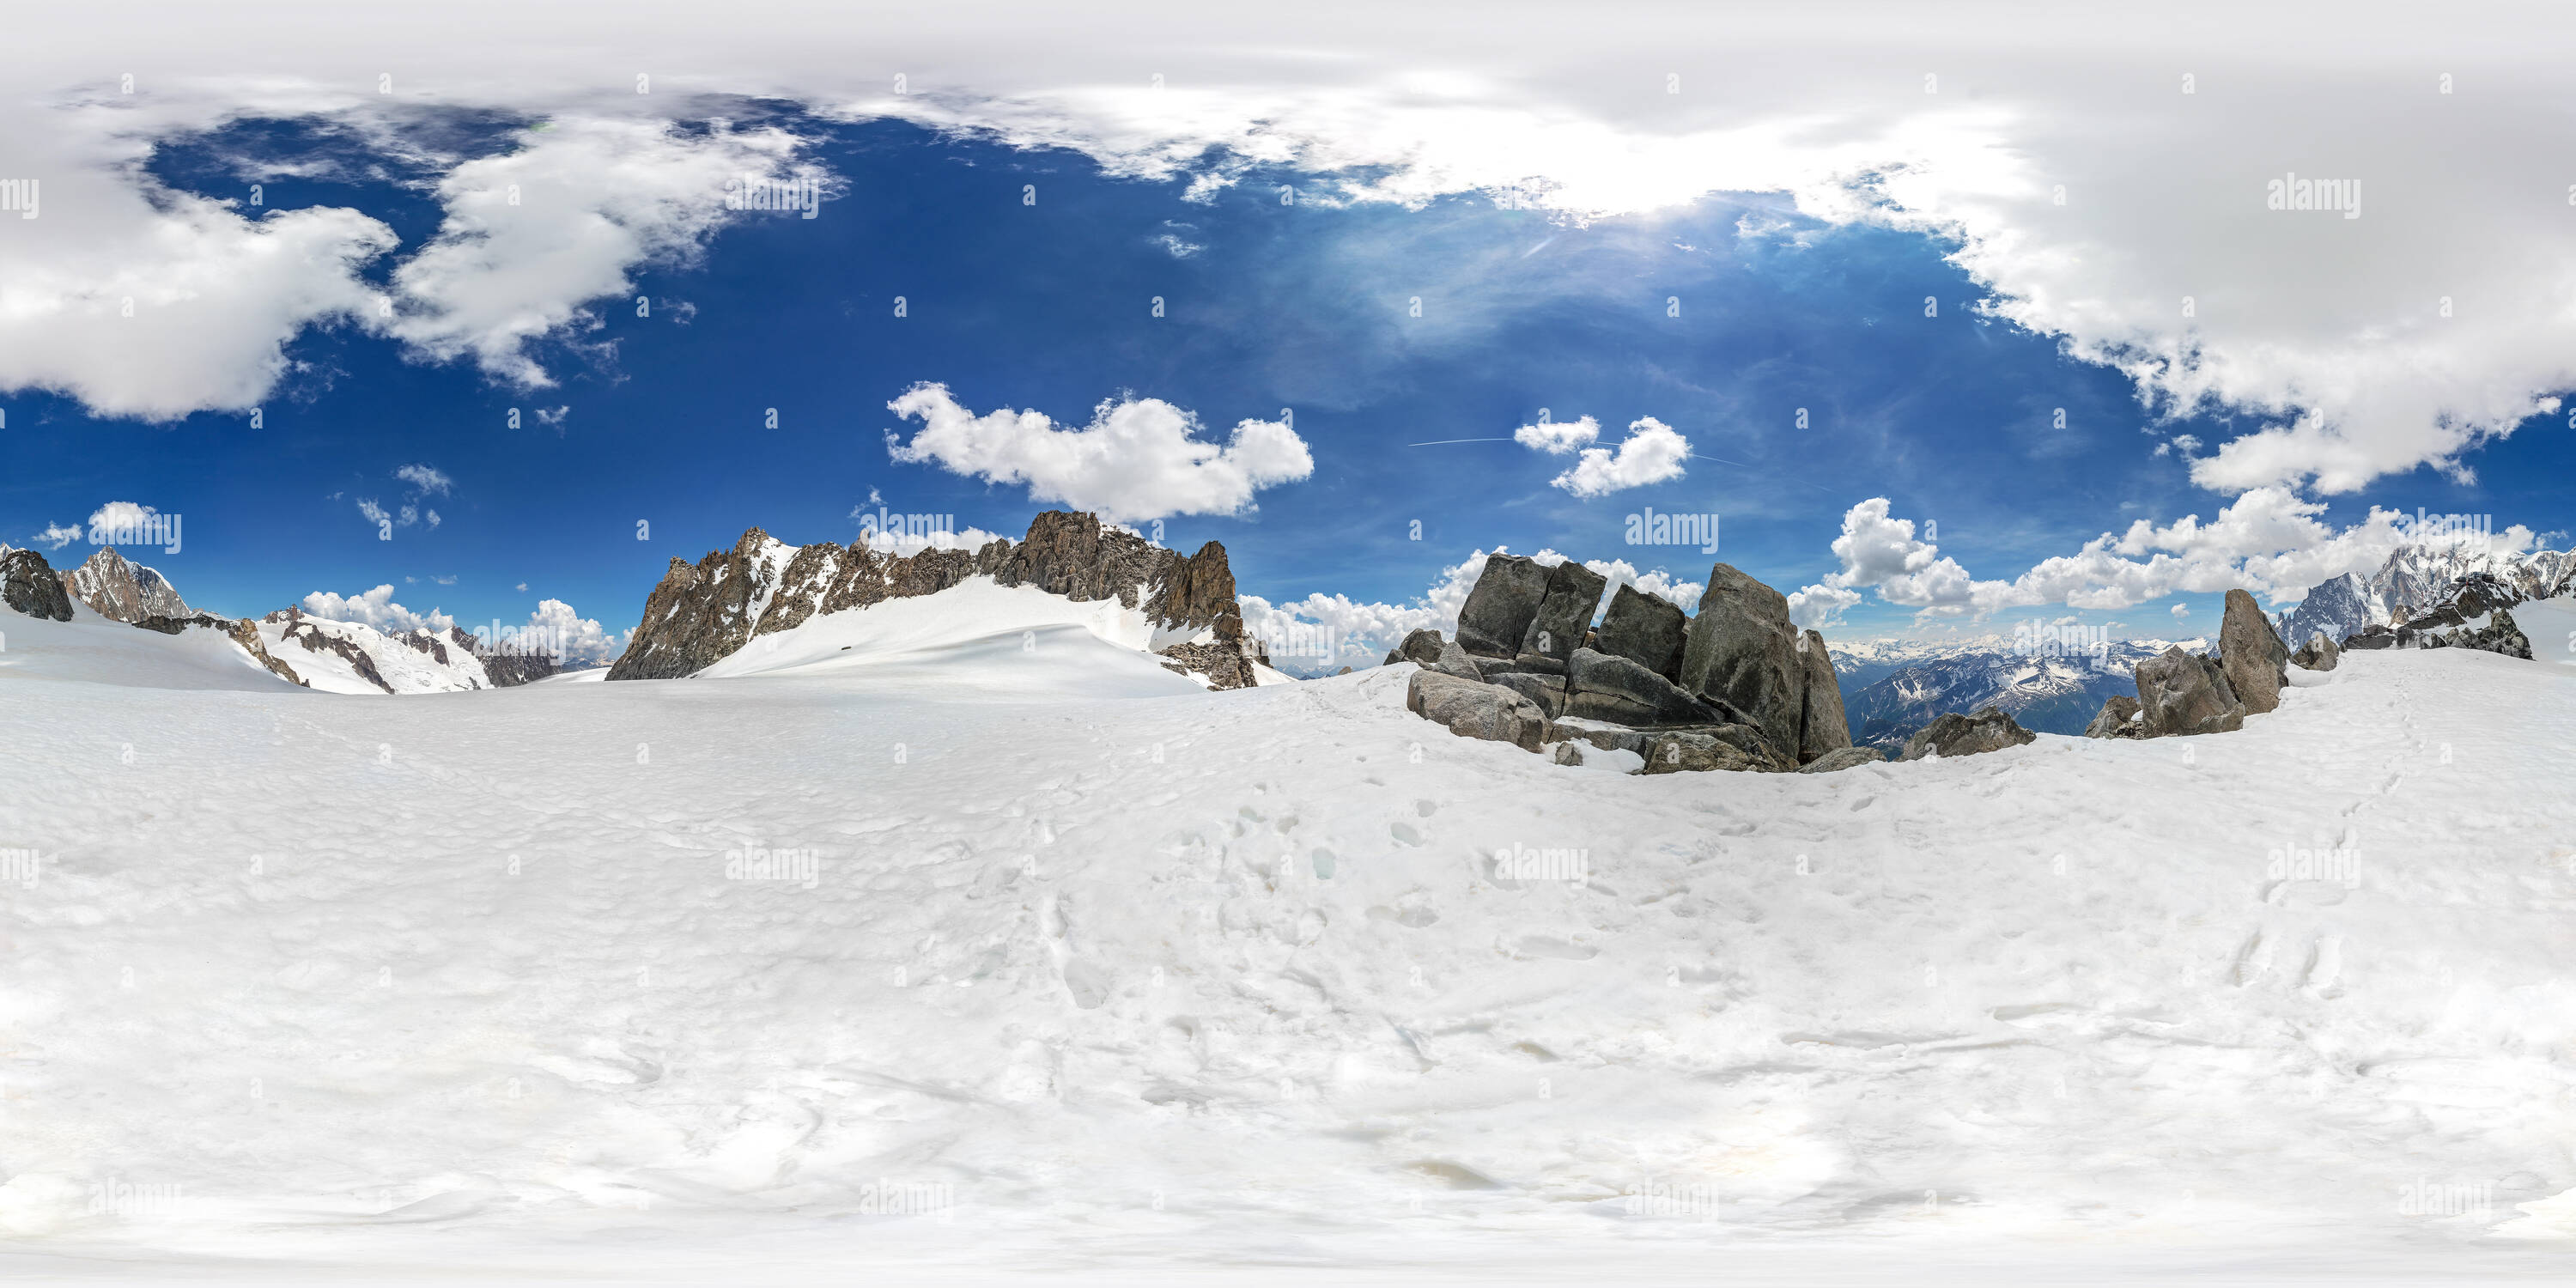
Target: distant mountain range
x=1891 y=689
x=2416 y=580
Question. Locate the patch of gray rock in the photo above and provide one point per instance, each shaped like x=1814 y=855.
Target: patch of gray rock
x=2446 y=625
x=1736 y=687
x=2182 y=694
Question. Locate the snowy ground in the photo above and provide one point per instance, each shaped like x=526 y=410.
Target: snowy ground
x=1150 y=987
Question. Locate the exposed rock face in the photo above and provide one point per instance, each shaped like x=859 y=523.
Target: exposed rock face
x=1422 y=647
x=1822 y=726
x=1565 y=613
x=1472 y=710
x=2318 y=654
x=1645 y=629
x=2499 y=635
x=1501 y=605
x=1957 y=735
x=702 y=613
x=30 y=585
x=1842 y=758
x=1739 y=748
x=316 y=640
x=2180 y=694
x=121 y=591
x=2118 y=711
x=1453 y=661
x=1600 y=686
x=2256 y=660
x=244 y=632
x=1547 y=692
x=1742 y=652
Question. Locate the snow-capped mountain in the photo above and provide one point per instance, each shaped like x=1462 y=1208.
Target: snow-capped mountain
x=1893 y=688
x=1179 y=609
x=122 y=591
x=353 y=657
x=2415 y=580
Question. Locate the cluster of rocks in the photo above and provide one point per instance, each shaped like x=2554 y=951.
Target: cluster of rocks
x=2476 y=595
x=2180 y=693
x=701 y=613
x=1737 y=686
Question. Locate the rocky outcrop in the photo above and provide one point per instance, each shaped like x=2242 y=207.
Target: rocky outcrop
x=701 y=613
x=1822 y=726
x=1645 y=629
x=1546 y=691
x=1471 y=709
x=242 y=631
x=2182 y=694
x=2118 y=719
x=1742 y=653
x=2500 y=635
x=1842 y=758
x=29 y=585
x=123 y=592
x=1501 y=605
x=1686 y=751
x=1990 y=729
x=1422 y=647
x=2257 y=662
x=2318 y=654
x=1564 y=613
x=1600 y=686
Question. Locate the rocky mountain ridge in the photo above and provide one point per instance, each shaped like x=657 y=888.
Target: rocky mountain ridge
x=701 y=613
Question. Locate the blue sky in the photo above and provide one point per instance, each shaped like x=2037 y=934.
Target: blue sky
x=1305 y=305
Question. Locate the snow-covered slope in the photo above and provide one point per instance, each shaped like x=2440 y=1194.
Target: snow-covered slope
x=975 y=639
x=91 y=650
x=353 y=657
x=839 y=975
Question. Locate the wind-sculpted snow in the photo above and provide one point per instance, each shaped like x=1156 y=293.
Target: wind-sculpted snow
x=829 y=972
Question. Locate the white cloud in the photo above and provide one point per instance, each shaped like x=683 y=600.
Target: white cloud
x=522 y=587
x=1558 y=437
x=427 y=479
x=2268 y=541
x=56 y=536
x=120 y=516
x=532 y=235
x=1652 y=453
x=2181 y=611
x=375 y=608
x=580 y=640
x=1138 y=459
x=910 y=543
x=2333 y=332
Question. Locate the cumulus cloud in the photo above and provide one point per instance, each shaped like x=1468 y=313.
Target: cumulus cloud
x=374 y=608
x=1558 y=437
x=2181 y=611
x=58 y=535
x=891 y=541
x=580 y=641
x=1652 y=453
x=532 y=235
x=426 y=479
x=2269 y=541
x=1138 y=458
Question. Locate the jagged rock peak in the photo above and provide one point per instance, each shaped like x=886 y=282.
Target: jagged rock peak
x=30 y=585
x=703 y=612
x=122 y=591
